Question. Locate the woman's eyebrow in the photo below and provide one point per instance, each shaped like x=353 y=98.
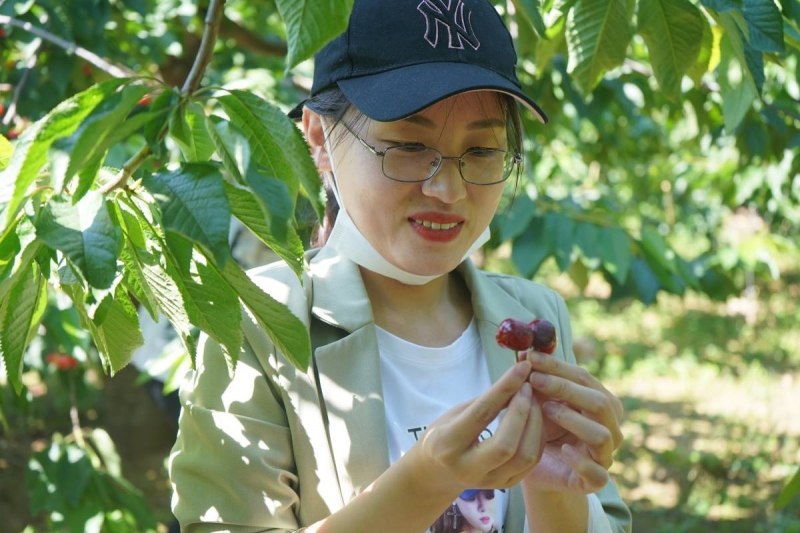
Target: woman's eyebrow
x=477 y=125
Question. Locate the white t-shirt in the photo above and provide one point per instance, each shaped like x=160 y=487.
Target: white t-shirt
x=419 y=385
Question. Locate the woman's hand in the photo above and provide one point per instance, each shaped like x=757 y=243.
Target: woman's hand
x=450 y=456
x=581 y=426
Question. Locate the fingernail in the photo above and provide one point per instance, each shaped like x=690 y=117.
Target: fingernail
x=523 y=368
x=526 y=390
x=569 y=451
x=550 y=408
x=538 y=379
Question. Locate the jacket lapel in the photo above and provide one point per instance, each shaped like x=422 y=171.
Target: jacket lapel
x=349 y=373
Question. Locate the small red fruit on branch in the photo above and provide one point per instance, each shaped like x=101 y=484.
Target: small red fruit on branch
x=519 y=336
x=62 y=361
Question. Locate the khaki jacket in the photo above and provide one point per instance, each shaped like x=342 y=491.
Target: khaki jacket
x=275 y=449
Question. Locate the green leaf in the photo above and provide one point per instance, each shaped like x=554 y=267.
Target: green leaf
x=516 y=220
x=644 y=281
x=247 y=209
x=673 y=32
x=765 y=25
x=587 y=239
x=737 y=85
x=135 y=282
x=166 y=291
x=700 y=68
x=615 y=250
x=20 y=313
x=31 y=148
x=531 y=248
x=89 y=141
x=722 y=6
x=559 y=227
x=85 y=233
x=657 y=248
x=531 y=10
x=5 y=152
x=273 y=197
x=310 y=24
x=211 y=304
x=153 y=129
x=193 y=204
x=118 y=332
x=275 y=144
x=231 y=146
x=286 y=330
x=598 y=33
x=187 y=126
x=791 y=490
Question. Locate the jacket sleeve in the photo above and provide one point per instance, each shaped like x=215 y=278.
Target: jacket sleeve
x=232 y=467
x=618 y=514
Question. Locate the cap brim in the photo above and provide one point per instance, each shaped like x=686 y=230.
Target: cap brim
x=399 y=93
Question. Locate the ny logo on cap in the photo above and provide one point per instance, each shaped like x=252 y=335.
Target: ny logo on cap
x=451 y=16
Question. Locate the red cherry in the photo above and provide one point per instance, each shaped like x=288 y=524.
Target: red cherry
x=62 y=361
x=11 y=135
x=144 y=100
x=514 y=334
x=544 y=336
x=2 y=109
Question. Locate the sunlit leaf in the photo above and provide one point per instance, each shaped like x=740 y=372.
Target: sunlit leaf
x=20 y=313
x=31 y=149
x=275 y=144
x=5 y=152
x=673 y=32
x=187 y=126
x=598 y=33
x=312 y=23
x=765 y=25
x=284 y=329
x=246 y=208
x=119 y=334
x=193 y=204
x=85 y=233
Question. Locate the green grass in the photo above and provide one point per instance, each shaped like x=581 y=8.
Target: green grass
x=712 y=402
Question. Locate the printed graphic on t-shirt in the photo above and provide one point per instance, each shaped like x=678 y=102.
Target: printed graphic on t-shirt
x=474 y=511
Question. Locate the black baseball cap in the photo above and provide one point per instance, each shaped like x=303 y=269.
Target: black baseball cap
x=398 y=57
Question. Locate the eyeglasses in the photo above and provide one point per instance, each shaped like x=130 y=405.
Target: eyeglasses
x=411 y=163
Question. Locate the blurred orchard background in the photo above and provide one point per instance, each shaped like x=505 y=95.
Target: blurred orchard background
x=663 y=201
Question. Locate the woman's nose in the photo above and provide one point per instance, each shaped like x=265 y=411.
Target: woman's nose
x=446 y=184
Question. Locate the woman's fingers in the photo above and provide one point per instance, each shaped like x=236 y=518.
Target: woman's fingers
x=600 y=406
x=485 y=408
x=594 y=435
x=587 y=476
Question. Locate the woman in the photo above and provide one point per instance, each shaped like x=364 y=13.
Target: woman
x=413 y=121
x=472 y=512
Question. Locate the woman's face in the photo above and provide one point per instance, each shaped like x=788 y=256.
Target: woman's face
x=478 y=512
x=400 y=219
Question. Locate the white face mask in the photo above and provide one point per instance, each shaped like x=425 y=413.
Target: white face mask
x=351 y=243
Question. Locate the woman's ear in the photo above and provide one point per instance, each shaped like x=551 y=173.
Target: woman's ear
x=314 y=130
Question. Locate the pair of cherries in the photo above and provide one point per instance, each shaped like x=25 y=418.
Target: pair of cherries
x=520 y=336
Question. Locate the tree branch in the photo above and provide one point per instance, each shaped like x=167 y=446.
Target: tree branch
x=11 y=112
x=72 y=48
x=206 y=52
x=191 y=84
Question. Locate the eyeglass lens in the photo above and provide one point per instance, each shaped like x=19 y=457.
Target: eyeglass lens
x=418 y=163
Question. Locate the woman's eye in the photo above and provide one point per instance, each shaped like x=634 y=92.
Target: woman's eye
x=411 y=148
x=482 y=152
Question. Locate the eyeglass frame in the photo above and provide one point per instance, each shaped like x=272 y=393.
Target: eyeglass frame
x=382 y=155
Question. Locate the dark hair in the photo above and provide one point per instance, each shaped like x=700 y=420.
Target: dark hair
x=334 y=105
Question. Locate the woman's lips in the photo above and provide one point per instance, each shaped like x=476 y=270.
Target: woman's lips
x=436 y=231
